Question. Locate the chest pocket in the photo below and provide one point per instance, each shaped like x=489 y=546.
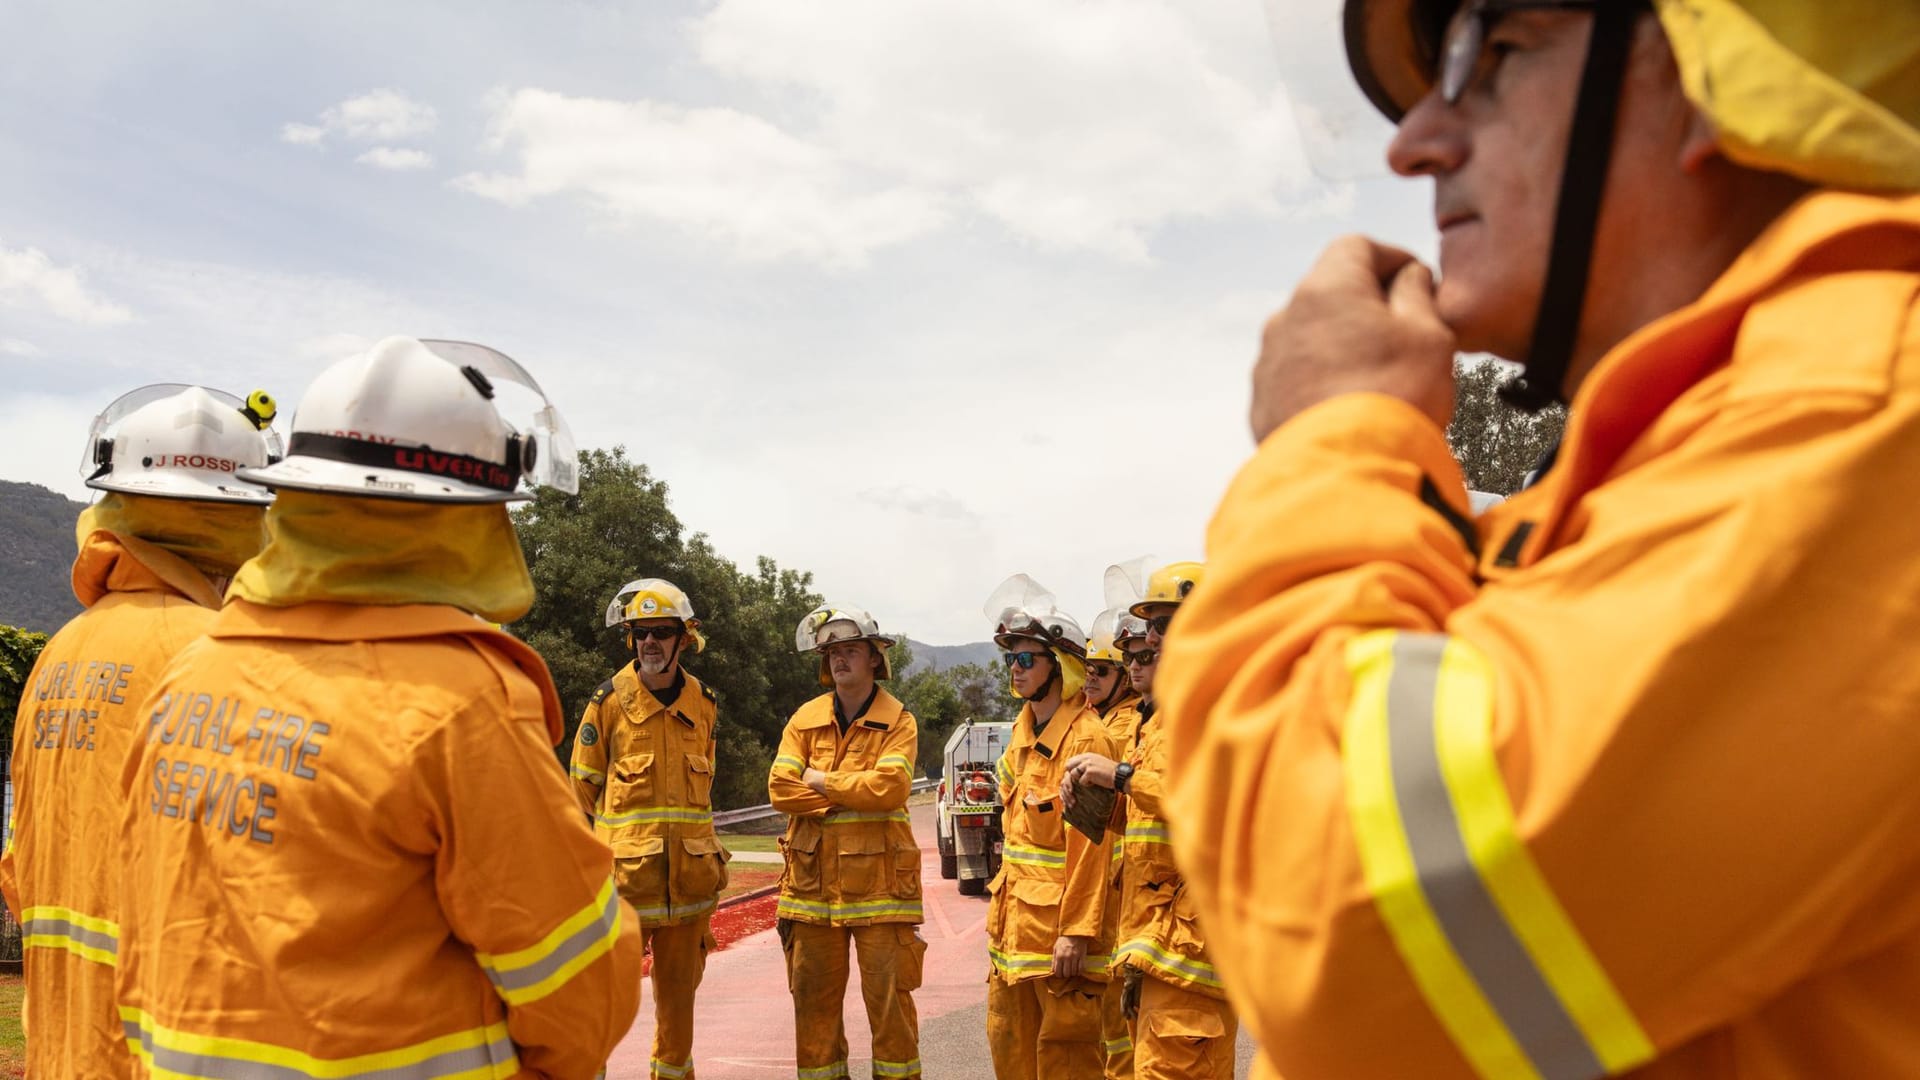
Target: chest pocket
x=699 y=781
x=631 y=782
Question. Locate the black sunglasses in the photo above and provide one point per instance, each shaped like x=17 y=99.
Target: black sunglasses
x=1142 y=657
x=656 y=633
x=1159 y=623
x=1100 y=669
x=1466 y=37
x=1023 y=660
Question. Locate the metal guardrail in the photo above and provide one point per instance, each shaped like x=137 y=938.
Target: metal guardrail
x=724 y=819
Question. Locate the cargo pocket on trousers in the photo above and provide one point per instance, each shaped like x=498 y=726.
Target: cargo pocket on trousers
x=1076 y=1014
x=1189 y=1028
x=701 y=872
x=864 y=872
x=912 y=959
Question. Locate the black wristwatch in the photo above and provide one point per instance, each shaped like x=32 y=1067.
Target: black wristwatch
x=1122 y=773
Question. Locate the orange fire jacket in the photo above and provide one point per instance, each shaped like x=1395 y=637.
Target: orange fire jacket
x=850 y=854
x=1053 y=880
x=78 y=718
x=1619 y=778
x=1159 y=930
x=356 y=855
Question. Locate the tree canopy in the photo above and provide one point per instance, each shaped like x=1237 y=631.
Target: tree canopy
x=581 y=548
x=1496 y=443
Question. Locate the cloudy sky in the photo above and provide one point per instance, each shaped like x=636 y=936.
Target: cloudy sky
x=911 y=293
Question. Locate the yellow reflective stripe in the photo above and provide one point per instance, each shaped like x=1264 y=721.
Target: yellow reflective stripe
x=169 y=1054
x=667 y=1070
x=1148 y=832
x=1496 y=957
x=1118 y=1046
x=835 y=1071
x=532 y=973
x=858 y=909
x=591 y=775
x=1016 y=963
x=788 y=761
x=652 y=915
x=1033 y=856
x=1387 y=864
x=893 y=760
x=842 y=817
x=896 y=1068
x=1118 y=851
x=86 y=936
x=1151 y=955
x=1464 y=737
x=685 y=815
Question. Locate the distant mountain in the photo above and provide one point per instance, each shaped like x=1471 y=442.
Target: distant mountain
x=942 y=657
x=36 y=556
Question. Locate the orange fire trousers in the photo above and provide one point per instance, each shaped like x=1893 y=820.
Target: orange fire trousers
x=1045 y=1029
x=679 y=963
x=891 y=956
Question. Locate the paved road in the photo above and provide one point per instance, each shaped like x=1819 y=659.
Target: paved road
x=744 y=1027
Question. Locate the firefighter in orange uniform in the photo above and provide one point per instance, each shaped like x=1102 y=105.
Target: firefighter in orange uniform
x=643 y=761
x=843 y=773
x=355 y=853
x=1617 y=777
x=1111 y=693
x=1183 y=1027
x=1047 y=953
x=156 y=553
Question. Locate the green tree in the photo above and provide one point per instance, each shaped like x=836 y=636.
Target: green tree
x=18 y=650
x=581 y=548
x=1496 y=443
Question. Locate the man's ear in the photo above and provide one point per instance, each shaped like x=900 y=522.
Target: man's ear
x=1701 y=143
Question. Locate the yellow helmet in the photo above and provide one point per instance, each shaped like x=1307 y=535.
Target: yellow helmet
x=655 y=598
x=1169 y=585
x=1112 y=629
x=1829 y=92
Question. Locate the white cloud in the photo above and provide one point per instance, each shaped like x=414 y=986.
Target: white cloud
x=28 y=276
x=396 y=158
x=919 y=502
x=377 y=116
x=16 y=347
x=719 y=173
x=1073 y=126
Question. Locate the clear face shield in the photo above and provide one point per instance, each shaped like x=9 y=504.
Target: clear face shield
x=1343 y=134
x=521 y=402
x=1125 y=584
x=108 y=422
x=1017 y=606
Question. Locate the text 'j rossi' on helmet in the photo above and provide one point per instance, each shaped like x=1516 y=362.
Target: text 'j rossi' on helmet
x=1169 y=585
x=426 y=421
x=1021 y=608
x=830 y=624
x=182 y=442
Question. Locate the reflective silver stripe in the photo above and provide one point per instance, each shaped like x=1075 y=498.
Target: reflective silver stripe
x=72 y=931
x=1474 y=925
x=578 y=942
x=500 y=1053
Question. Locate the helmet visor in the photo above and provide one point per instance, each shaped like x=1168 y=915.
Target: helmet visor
x=1342 y=133
x=556 y=458
x=133 y=401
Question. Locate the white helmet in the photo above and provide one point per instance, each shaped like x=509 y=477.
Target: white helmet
x=830 y=624
x=419 y=420
x=650 y=598
x=182 y=442
x=1022 y=608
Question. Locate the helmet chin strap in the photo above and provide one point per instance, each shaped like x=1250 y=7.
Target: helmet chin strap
x=1556 y=326
x=1046 y=687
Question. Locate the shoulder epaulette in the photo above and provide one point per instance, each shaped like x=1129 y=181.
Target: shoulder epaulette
x=708 y=691
x=602 y=691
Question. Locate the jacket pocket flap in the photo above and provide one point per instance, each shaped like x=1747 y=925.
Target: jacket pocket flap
x=805 y=837
x=702 y=845
x=634 y=847
x=1036 y=892
x=633 y=765
x=862 y=842
x=698 y=764
x=1186 y=1024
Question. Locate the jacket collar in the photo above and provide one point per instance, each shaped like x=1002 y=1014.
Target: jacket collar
x=1047 y=742
x=882 y=713
x=111 y=562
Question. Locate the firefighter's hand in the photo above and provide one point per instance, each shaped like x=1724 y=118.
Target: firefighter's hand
x=816 y=780
x=1089 y=769
x=1130 y=991
x=1362 y=321
x=1070 y=956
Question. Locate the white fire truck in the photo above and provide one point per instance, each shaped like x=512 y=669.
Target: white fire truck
x=967 y=809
